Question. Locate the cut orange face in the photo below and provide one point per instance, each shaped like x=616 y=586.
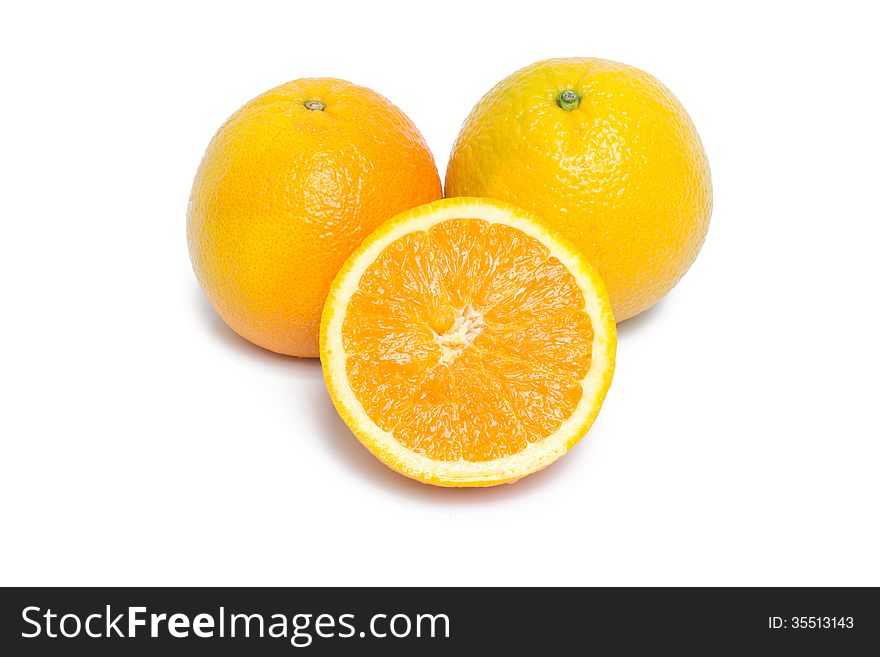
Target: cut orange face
x=467 y=345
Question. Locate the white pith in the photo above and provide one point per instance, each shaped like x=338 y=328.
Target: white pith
x=536 y=455
x=466 y=326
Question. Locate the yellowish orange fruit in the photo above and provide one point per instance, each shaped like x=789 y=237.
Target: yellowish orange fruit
x=603 y=153
x=465 y=344
x=288 y=188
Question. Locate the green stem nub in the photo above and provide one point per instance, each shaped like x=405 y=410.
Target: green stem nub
x=315 y=105
x=568 y=100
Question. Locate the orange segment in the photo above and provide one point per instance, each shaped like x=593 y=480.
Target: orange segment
x=459 y=343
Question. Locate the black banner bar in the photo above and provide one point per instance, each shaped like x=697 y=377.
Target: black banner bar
x=278 y=621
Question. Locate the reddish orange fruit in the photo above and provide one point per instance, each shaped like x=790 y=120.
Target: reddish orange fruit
x=288 y=188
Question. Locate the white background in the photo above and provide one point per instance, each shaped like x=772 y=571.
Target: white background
x=145 y=443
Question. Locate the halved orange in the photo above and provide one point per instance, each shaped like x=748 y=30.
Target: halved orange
x=465 y=344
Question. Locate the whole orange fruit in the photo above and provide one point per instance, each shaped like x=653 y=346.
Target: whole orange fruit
x=288 y=188
x=606 y=155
